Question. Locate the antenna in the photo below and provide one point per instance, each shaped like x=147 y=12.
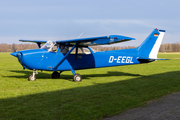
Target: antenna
x=80 y=35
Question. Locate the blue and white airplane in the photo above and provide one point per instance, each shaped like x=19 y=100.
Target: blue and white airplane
x=58 y=56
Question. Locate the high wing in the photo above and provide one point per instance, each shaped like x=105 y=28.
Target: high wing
x=97 y=40
x=88 y=41
x=39 y=42
x=35 y=41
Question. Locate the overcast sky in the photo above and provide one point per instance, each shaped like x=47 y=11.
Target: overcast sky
x=67 y=19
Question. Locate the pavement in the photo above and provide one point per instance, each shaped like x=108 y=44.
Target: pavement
x=165 y=108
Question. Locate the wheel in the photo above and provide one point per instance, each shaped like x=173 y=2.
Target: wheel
x=77 y=78
x=31 y=78
x=55 y=75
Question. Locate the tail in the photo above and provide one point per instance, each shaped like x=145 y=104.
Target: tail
x=150 y=47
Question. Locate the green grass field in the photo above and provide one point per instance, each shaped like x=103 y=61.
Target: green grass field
x=103 y=92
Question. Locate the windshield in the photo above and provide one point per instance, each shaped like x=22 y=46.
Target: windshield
x=48 y=45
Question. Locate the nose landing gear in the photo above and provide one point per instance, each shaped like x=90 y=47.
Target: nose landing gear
x=33 y=77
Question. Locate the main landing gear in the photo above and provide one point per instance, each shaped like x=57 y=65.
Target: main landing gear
x=56 y=75
x=76 y=77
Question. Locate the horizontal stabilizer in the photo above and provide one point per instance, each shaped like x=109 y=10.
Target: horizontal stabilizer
x=147 y=60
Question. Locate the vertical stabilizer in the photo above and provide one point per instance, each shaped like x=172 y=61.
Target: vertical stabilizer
x=150 y=47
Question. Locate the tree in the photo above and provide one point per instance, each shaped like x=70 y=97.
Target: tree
x=13 y=48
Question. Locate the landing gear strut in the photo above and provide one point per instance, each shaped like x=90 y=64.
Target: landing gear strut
x=33 y=77
x=76 y=77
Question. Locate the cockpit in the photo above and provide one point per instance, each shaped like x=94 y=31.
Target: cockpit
x=48 y=45
x=53 y=47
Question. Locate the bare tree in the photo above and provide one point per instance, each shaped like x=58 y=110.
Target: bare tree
x=13 y=48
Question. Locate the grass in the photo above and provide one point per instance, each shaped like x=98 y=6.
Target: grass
x=103 y=92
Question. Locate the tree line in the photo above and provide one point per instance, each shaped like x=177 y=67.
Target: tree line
x=174 y=47
x=16 y=47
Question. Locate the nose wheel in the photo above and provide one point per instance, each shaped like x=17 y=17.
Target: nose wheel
x=33 y=77
x=77 y=78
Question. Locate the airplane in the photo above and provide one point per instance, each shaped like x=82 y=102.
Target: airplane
x=75 y=54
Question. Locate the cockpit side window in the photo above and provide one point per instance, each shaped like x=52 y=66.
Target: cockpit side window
x=83 y=50
x=64 y=49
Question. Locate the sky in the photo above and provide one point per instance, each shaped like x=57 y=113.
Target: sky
x=67 y=19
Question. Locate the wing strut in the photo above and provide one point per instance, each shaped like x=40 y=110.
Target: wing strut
x=39 y=44
x=65 y=57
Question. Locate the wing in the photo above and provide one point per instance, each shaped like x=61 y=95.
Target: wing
x=88 y=41
x=39 y=42
x=35 y=41
x=97 y=40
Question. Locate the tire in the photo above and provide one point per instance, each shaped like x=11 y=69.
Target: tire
x=77 y=78
x=31 y=78
x=55 y=75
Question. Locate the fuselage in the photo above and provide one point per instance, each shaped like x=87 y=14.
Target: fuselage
x=42 y=59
